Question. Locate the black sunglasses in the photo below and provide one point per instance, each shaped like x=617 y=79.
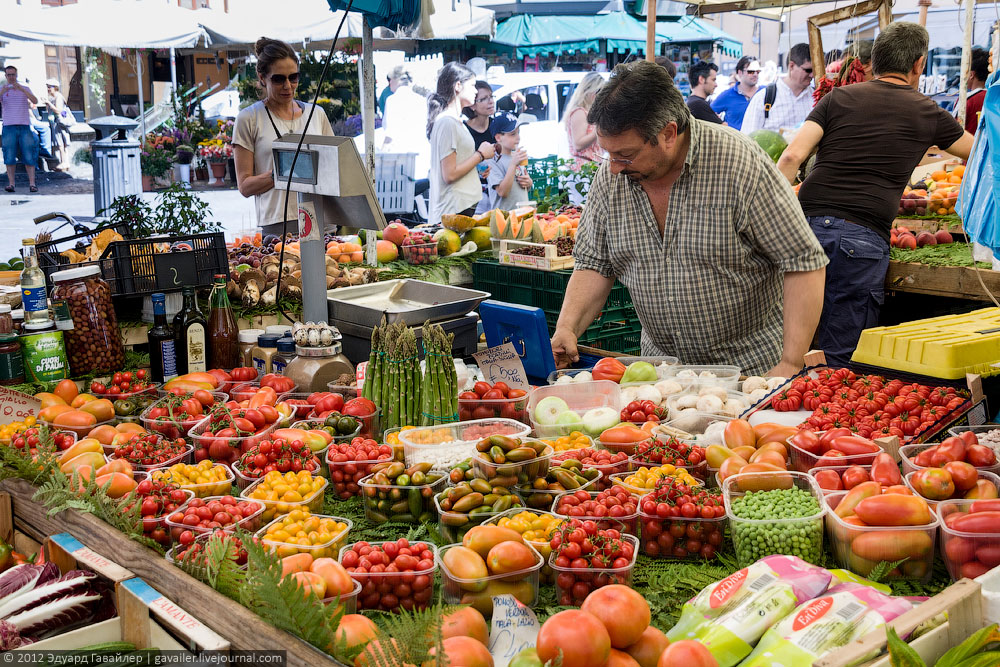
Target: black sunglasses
x=807 y=70
x=279 y=79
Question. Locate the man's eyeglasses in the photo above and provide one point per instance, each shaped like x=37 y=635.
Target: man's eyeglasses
x=480 y=100
x=614 y=160
x=279 y=79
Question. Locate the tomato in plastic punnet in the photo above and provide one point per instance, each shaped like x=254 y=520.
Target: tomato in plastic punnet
x=933 y=483
x=579 y=636
x=608 y=368
x=893 y=509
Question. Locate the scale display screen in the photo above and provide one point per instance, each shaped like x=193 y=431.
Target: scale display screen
x=305 y=165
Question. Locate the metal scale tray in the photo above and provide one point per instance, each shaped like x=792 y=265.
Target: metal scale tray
x=416 y=302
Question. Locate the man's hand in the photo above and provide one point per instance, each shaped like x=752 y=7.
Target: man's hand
x=785 y=369
x=564 y=348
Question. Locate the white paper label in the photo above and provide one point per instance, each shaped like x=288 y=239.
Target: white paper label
x=514 y=628
x=502 y=364
x=371 y=252
x=359 y=374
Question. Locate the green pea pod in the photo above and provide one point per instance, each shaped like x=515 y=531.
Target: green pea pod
x=505 y=481
x=468 y=502
x=503 y=504
x=504 y=442
x=520 y=454
x=454 y=518
x=566 y=478
x=403 y=480
x=416 y=502
x=376 y=517
x=423 y=467
x=481 y=486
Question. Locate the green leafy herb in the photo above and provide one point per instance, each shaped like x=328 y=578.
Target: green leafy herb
x=944 y=254
x=883 y=568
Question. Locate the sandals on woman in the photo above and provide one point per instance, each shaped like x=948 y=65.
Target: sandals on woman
x=32 y=188
x=9 y=188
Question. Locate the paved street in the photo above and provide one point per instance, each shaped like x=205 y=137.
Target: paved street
x=232 y=210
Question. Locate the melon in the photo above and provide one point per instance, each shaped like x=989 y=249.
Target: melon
x=498 y=224
x=457 y=223
x=483 y=219
x=515 y=228
x=772 y=143
x=478 y=235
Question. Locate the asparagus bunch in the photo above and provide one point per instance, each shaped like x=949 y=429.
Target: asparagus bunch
x=393 y=378
x=440 y=385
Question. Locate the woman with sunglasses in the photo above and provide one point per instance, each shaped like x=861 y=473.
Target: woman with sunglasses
x=257 y=126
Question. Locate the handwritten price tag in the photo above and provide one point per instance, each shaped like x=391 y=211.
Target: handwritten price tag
x=15 y=406
x=515 y=628
x=502 y=364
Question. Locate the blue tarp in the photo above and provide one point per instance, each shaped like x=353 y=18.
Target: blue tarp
x=531 y=34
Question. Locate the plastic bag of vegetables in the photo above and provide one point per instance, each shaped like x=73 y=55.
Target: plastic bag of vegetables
x=731 y=615
x=820 y=626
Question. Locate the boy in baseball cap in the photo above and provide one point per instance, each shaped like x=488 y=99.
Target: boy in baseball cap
x=508 y=180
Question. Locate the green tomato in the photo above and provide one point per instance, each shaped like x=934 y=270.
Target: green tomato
x=639 y=371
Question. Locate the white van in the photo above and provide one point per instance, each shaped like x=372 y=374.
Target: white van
x=545 y=96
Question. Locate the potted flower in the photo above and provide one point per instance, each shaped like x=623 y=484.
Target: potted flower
x=217 y=151
x=154 y=161
x=183 y=155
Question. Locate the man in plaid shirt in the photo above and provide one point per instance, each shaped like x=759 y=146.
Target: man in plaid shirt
x=699 y=225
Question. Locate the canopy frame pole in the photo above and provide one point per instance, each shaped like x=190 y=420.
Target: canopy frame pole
x=368 y=96
x=142 y=95
x=173 y=69
x=813 y=24
x=651 y=30
x=963 y=88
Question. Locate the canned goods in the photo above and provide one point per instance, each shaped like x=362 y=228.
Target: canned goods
x=44 y=353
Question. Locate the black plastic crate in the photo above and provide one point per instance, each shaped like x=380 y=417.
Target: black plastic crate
x=138 y=268
x=50 y=261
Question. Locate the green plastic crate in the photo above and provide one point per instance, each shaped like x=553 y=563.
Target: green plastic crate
x=544 y=177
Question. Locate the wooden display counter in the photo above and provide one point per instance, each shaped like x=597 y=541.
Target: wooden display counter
x=917 y=225
x=243 y=629
x=956 y=282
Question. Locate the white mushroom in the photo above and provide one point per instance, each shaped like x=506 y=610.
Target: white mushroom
x=753 y=383
x=775 y=382
x=714 y=391
x=710 y=403
x=667 y=387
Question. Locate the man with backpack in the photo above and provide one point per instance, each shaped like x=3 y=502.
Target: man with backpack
x=786 y=102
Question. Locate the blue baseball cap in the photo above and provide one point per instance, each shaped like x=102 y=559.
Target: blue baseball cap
x=503 y=123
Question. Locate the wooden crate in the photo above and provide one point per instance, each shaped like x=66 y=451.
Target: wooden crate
x=957 y=282
x=961 y=601
x=551 y=261
x=142 y=621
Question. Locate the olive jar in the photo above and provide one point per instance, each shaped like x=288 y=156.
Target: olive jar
x=94 y=344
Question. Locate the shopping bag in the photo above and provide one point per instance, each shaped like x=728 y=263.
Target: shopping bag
x=979 y=196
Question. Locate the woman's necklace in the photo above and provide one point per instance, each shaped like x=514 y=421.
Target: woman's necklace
x=282 y=112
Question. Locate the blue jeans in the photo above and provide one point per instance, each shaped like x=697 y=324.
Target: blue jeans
x=19 y=139
x=855 y=284
x=44 y=133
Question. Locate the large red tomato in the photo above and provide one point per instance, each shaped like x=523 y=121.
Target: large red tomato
x=608 y=368
x=359 y=407
x=462 y=652
x=687 y=653
x=621 y=659
x=650 y=646
x=580 y=636
x=624 y=612
x=466 y=622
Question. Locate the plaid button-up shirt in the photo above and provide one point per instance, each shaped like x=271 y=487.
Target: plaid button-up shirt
x=709 y=291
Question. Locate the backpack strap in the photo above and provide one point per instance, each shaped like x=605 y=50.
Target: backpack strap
x=770 y=94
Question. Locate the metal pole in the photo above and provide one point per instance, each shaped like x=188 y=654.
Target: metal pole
x=142 y=97
x=963 y=89
x=650 y=30
x=173 y=69
x=924 y=5
x=368 y=96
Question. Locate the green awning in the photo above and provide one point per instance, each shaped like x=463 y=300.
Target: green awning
x=530 y=35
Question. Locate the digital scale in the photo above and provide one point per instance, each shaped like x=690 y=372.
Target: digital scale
x=334 y=190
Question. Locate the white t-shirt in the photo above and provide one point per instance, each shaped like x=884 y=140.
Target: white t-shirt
x=254 y=132
x=499 y=167
x=451 y=136
x=787 y=112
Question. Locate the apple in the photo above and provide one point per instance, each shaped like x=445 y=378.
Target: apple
x=598 y=420
x=548 y=409
x=569 y=421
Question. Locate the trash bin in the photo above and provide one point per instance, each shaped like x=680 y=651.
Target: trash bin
x=117 y=167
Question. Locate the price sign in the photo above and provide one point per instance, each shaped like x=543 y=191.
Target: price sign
x=502 y=364
x=15 y=406
x=360 y=373
x=514 y=628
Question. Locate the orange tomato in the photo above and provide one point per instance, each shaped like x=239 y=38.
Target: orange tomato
x=49 y=399
x=102 y=409
x=75 y=419
x=66 y=390
x=81 y=399
x=49 y=413
x=129 y=427
x=103 y=434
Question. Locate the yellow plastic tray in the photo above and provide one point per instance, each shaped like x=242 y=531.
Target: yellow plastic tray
x=944 y=347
